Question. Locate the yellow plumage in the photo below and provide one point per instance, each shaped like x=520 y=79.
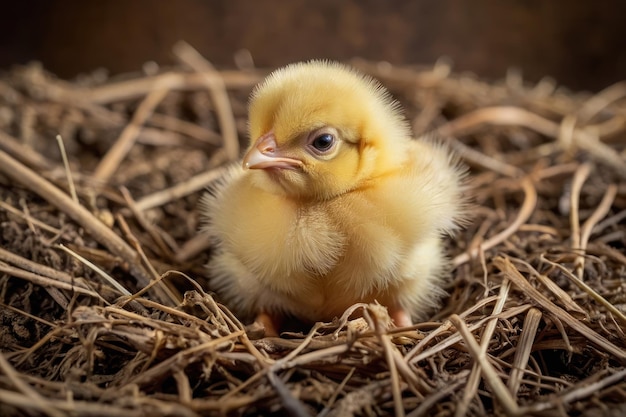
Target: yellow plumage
x=334 y=203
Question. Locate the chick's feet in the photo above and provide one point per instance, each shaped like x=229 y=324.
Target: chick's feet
x=270 y=323
x=400 y=317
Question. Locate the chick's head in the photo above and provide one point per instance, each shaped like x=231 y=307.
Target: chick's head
x=319 y=129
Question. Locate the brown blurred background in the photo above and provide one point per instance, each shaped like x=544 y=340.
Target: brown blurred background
x=580 y=43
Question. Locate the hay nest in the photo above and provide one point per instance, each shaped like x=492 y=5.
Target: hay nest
x=105 y=306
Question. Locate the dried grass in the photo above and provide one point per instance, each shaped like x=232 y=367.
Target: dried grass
x=105 y=309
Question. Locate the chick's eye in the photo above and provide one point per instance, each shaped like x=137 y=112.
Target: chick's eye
x=323 y=142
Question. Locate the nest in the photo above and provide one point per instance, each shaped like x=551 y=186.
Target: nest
x=105 y=304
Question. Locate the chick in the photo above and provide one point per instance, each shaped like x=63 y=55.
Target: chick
x=334 y=203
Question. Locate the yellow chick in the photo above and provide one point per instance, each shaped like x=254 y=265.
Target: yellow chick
x=334 y=203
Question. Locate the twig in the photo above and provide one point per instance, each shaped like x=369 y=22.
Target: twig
x=37 y=268
x=30 y=316
x=217 y=88
x=184 y=357
x=118 y=151
x=562 y=295
x=187 y=128
x=456 y=338
x=199 y=243
x=23 y=152
x=474 y=378
x=28 y=218
x=616 y=219
x=599 y=213
x=47 y=282
x=583 y=391
x=318 y=355
x=109 y=279
x=388 y=347
x=68 y=171
x=26 y=389
x=102 y=234
x=577 y=184
x=524 y=347
x=65 y=407
x=445 y=327
x=489 y=373
x=434 y=398
x=565 y=136
x=183 y=189
x=173 y=80
x=513 y=116
x=291 y=404
x=139 y=216
x=530 y=201
x=182 y=385
x=483 y=160
x=172 y=296
x=585 y=287
x=333 y=398
x=601 y=100
x=305 y=342
x=505 y=265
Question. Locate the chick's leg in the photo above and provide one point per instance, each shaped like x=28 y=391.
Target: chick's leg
x=400 y=317
x=270 y=322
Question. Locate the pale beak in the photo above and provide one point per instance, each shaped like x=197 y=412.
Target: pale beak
x=264 y=154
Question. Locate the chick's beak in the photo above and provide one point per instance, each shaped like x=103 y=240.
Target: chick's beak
x=264 y=154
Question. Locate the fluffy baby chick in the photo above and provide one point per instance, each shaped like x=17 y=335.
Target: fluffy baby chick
x=334 y=203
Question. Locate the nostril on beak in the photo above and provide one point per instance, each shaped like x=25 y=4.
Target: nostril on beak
x=266 y=144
